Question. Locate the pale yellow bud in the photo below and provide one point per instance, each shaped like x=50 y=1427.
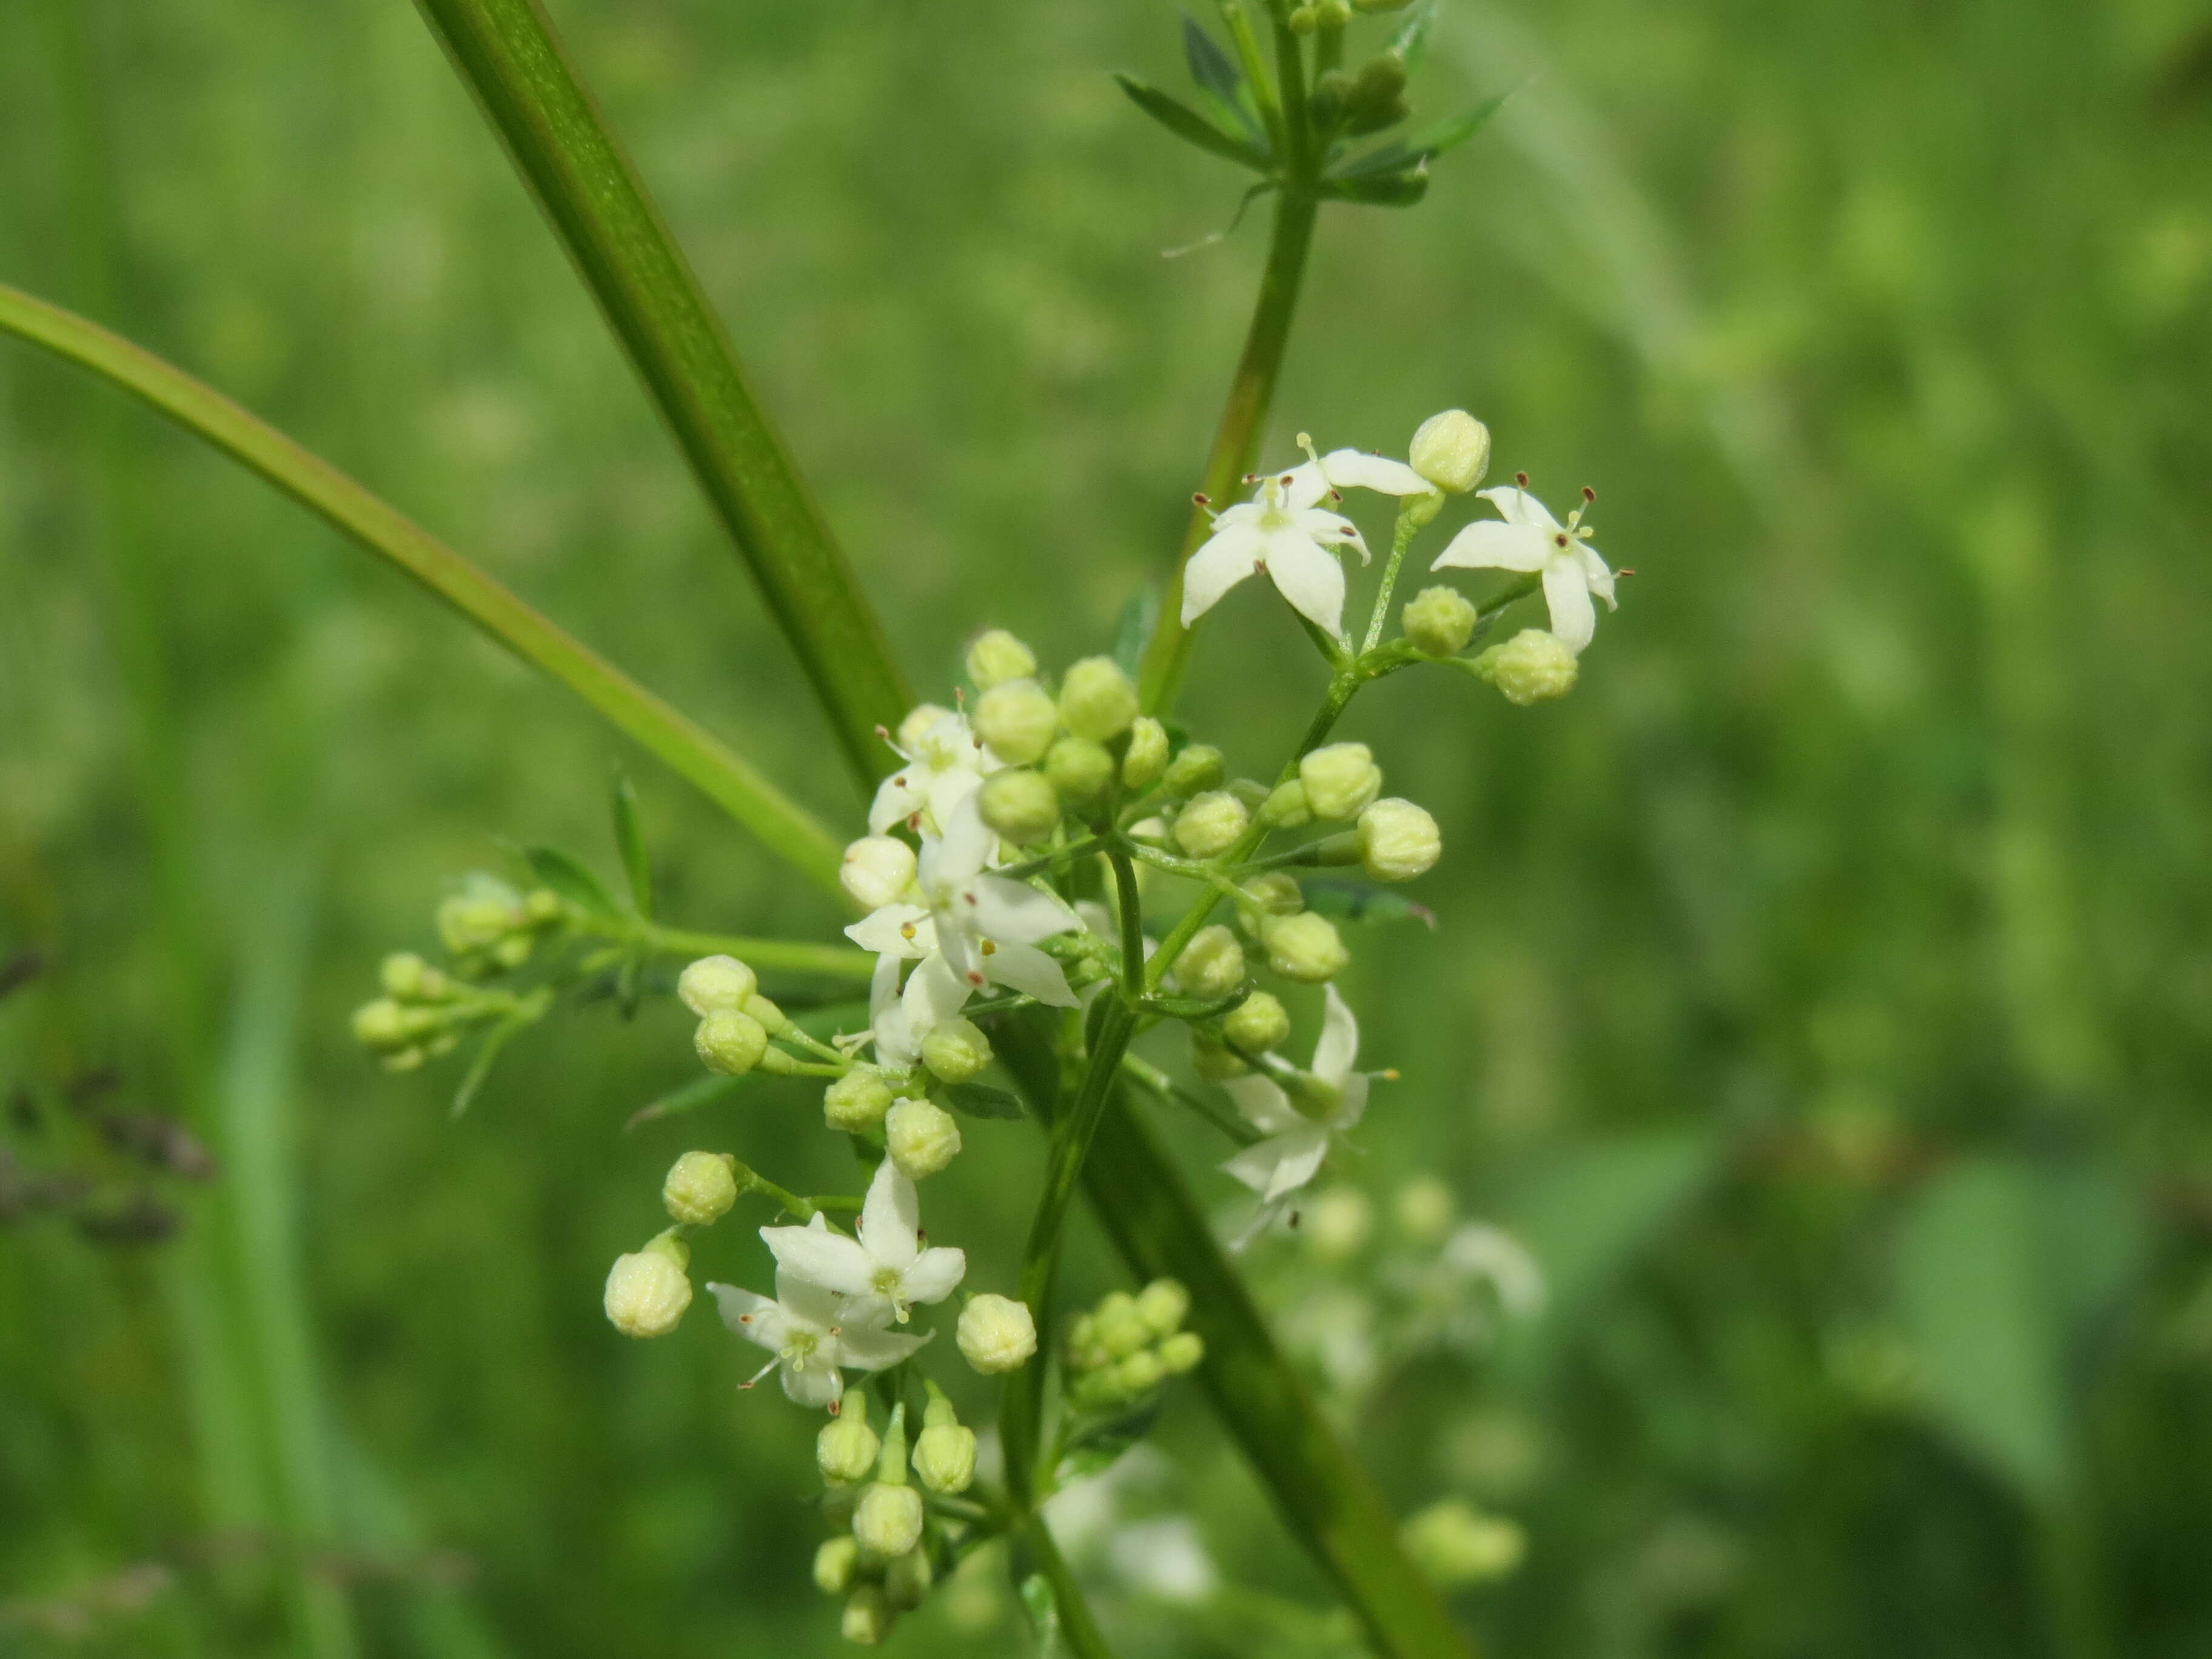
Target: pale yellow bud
x=887 y=1519
x=1211 y=824
x=1078 y=768
x=729 y=1043
x=384 y=1024
x=1423 y=1210
x=997 y=657
x=1454 y=1545
x=716 y=983
x=1146 y=758
x=955 y=1050
x=907 y=1580
x=1286 y=806
x=1533 y=666
x=1339 y=779
x=1338 y=1223
x=699 y=1189
x=1440 y=621
x=834 y=1563
x=1277 y=893
x=1398 y=840
x=1182 y=1353
x=856 y=1103
x=996 y=1333
x=1020 y=804
x=1211 y=965
x=1304 y=947
x=1451 y=451
x=917 y=723
x=868 y=1617
x=1097 y=700
x=876 y=870
x=1164 y=1304
x=1117 y=1325
x=845 y=1450
x=922 y=1138
x=1257 y=1024
x=648 y=1290
x=1198 y=767
x=1017 y=719
x=945 y=1457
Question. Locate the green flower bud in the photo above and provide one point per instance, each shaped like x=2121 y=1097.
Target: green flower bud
x=773 y=1019
x=1140 y=1373
x=541 y=905
x=1338 y=1223
x=876 y=870
x=1020 y=804
x=1183 y=1352
x=1214 y=1059
x=1455 y=1544
x=945 y=1457
x=1286 y=806
x=1440 y=621
x=1398 y=840
x=648 y=1290
x=1332 y=14
x=1304 y=19
x=384 y=1024
x=1277 y=893
x=731 y=1043
x=834 y=1563
x=1211 y=824
x=920 y=1137
x=1532 y=667
x=405 y=975
x=1378 y=98
x=1304 y=947
x=916 y=725
x=955 y=1050
x=1017 y=719
x=1146 y=758
x=480 y=915
x=1120 y=1328
x=1164 y=1304
x=1424 y=1209
x=1211 y=965
x=1198 y=767
x=1339 y=779
x=856 y=1104
x=868 y=1617
x=1325 y=101
x=1097 y=700
x=1451 y=451
x=887 y=1519
x=907 y=1580
x=714 y=984
x=996 y=1333
x=1078 y=768
x=701 y=1188
x=997 y=657
x=1257 y=1025
x=846 y=1449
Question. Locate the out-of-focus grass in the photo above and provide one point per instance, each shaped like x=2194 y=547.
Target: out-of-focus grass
x=1869 y=854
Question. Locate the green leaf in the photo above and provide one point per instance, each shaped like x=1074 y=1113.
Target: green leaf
x=630 y=836
x=700 y=1091
x=1364 y=903
x=1387 y=190
x=981 y=1100
x=1189 y=124
x=487 y=1052
x=1192 y=1008
x=1134 y=626
x=1042 y=1610
x=572 y=881
x=1220 y=80
x=1411 y=42
x=1424 y=147
x=1097 y=1448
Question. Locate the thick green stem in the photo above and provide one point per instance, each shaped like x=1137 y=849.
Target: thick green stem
x=786 y=828
x=1077 y=1626
x=532 y=92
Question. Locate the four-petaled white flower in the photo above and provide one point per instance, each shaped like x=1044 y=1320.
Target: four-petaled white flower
x=981 y=929
x=885 y=1270
x=811 y=1335
x=946 y=763
x=1526 y=538
x=1296 y=1142
x=1284 y=531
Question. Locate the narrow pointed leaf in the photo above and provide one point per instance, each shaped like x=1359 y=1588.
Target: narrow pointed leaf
x=1411 y=42
x=487 y=1053
x=1422 y=146
x=630 y=836
x=572 y=881
x=1189 y=124
x=1221 y=81
x=1386 y=190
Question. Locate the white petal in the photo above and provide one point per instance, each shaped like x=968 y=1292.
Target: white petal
x=1026 y=968
x=1225 y=560
x=1302 y=1151
x=1598 y=575
x=1488 y=544
x=1332 y=530
x=890 y=1219
x=817 y=1384
x=1266 y=1107
x=1516 y=506
x=829 y=1260
x=936 y=1274
x=883 y=986
x=754 y=1318
x=1013 y=912
x=1312 y=580
x=1357 y=470
x=806 y=1305
x=898 y=797
x=1255 y=1165
x=886 y=932
x=1354 y=1104
x=1566 y=592
x=1304 y=485
x=948 y=787
x=934 y=995
x=867 y=1347
x=1340 y=1039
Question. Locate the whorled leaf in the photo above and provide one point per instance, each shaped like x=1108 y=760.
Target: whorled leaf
x=1190 y=125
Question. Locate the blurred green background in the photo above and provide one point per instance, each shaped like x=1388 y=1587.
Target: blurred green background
x=1823 y=993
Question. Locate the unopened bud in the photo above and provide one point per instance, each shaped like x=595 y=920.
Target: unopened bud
x=1532 y=667
x=945 y=1457
x=1286 y=806
x=384 y=1024
x=996 y=1333
x=856 y=1104
x=1211 y=824
x=1339 y=779
x=1020 y=804
x=1183 y=1352
x=955 y=1050
x=718 y=983
x=1140 y=1373
x=920 y=1137
x=1257 y=1024
x=1398 y=840
x=1338 y=1223
x=731 y=1043
x=1440 y=621
x=868 y=1617
x=876 y=870
x=907 y=1580
x=1164 y=1304
x=1423 y=1210
x=1118 y=1326
x=648 y=1290
x=997 y=657
x=1198 y=767
x=1017 y=719
x=701 y=1188
x=1212 y=1058
x=1326 y=101
x=1451 y=451
x=1454 y=1545
x=1211 y=965
x=1078 y=768
x=1304 y=947
x=407 y=976
x=917 y=723
x=1378 y=98
x=1146 y=756
x=1097 y=700
x=887 y=1519
x=846 y=1448
x=1276 y=893
x=834 y=1563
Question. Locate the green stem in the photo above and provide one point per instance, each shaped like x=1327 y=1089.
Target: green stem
x=1077 y=1626
x=784 y=827
x=1401 y=538
x=781 y=955
x=1165 y=1090
x=532 y=92
x=750 y=1179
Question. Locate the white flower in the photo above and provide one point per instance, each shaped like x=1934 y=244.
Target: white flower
x=1294 y=1144
x=1284 y=531
x=981 y=928
x=810 y=1335
x=1526 y=538
x=945 y=764
x=884 y=1271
